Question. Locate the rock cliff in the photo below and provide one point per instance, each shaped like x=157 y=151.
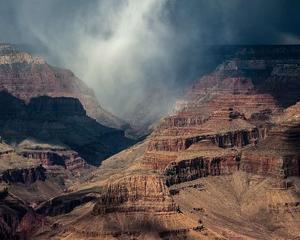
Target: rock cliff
x=223 y=165
x=27 y=77
x=135 y=194
x=59 y=121
x=17 y=169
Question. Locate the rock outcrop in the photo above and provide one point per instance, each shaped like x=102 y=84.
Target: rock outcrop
x=27 y=77
x=135 y=194
x=200 y=160
x=52 y=155
x=17 y=169
x=17 y=219
x=224 y=164
x=27 y=175
x=279 y=154
x=59 y=121
x=234 y=108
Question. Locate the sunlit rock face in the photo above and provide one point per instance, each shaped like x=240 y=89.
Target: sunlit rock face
x=135 y=194
x=278 y=153
x=233 y=107
x=17 y=169
x=224 y=164
x=26 y=77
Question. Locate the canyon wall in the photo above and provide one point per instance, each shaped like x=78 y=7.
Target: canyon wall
x=17 y=169
x=27 y=77
x=59 y=121
x=227 y=153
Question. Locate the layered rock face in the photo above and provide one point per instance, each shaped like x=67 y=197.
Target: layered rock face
x=17 y=219
x=120 y=200
x=278 y=154
x=25 y=175
x=59 y=121
x=52 y=156
x=224 y=129
x=135 y=194
x=214 y=169
x=233 y=107
x=27 y=77
x=257 y=62
x=17 y=169
x=231 y=122
x=200 y=160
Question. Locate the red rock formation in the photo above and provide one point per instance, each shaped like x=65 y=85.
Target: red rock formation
x=50 y=155
x=62 y=121
x=158 y=160
x=17 y=169
x=135 y=194
x=26 y=77
x=200 y=160
x=31 y=223
x=224 y=128
x=233 y=108
x=226 y=122
x=278 y=155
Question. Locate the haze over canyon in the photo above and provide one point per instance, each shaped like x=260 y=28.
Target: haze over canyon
x=151 y=119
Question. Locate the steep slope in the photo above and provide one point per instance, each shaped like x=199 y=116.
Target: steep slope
x=17 y=219
x=17 y=169
x=242 y=206
x=260 y=63
x=55 y=143
x=59 y=121
x=19 y=177
x=26 y=77
x=120 y=200
x=224 y=165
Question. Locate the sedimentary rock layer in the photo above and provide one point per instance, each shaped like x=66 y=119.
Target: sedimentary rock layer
x=27 y=77
x=17 y=169
x=225 y=164
x=59 y=121
x=135 y=194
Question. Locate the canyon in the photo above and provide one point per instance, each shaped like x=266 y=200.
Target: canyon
x=224 y=164
x=25 y=77
x=58 y=121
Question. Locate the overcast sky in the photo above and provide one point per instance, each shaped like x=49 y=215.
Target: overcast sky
x=121 y=48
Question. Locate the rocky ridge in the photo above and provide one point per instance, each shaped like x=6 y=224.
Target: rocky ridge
x=227 y=124
x=27 y=77
x=224 y=165
x=58 y=121
x=17 y=169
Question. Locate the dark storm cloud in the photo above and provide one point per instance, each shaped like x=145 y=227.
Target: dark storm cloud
x=122 y=48
x=238 y=21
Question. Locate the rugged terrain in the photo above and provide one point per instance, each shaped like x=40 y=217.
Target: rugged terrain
x=224 y=165
x=50 y=136
x=25 y=77
x=50 y=115
x=58 y=121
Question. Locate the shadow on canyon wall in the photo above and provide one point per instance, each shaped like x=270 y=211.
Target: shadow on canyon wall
x=59 y=121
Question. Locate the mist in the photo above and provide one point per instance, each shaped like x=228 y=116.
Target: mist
x=126 y=50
